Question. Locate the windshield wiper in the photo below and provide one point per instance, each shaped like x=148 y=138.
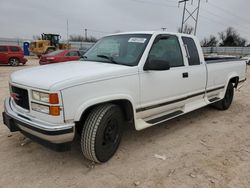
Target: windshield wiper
x=108 y=58
x=84 y=57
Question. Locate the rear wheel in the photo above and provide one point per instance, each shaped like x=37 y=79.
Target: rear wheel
x=226 y=102
x=14 y=61
x=102 y=133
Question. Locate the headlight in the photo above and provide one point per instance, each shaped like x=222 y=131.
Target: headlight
x=51 y=110
x=40 y=108
x=44 y=97
x=51 y=98
x=50 y=58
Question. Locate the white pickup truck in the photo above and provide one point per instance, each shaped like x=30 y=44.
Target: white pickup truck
x=137 y=78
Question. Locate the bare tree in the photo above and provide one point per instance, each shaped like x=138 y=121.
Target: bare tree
x=76 y=38
x=209 y=42
x=230 y=37
x=187 y=29
x=91 y=39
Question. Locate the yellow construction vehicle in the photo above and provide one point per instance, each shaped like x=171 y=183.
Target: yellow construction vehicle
x=47 y=44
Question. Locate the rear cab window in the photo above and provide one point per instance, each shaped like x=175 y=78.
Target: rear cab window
x=14 y=49
x=3 y=49
x=191 y=50
x=167 y=48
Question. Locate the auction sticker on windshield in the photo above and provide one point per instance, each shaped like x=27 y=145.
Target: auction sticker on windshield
x=137 y=40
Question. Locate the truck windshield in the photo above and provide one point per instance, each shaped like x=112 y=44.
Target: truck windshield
x=124 y=49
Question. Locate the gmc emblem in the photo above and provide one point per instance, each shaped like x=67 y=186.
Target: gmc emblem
x=15 y=96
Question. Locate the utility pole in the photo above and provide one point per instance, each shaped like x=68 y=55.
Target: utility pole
x=197 y=17
x=191 y=14
x=86 y=34
x=68 y=32
x=184 y=11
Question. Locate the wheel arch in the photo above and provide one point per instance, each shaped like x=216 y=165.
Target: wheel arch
x=125 y=103
x=233 y=78
x=14 y=57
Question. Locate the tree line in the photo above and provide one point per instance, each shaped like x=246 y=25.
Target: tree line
x=80 y=38
x=229 y=37
x=73 y=38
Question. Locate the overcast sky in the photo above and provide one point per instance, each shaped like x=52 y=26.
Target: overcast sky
x=25 y=18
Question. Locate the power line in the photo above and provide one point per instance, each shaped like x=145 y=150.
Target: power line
x=219 y=16
x=229 y=12
x=156 y=3
x=219 y=23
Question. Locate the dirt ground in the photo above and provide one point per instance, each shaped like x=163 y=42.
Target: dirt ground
x=205 y=148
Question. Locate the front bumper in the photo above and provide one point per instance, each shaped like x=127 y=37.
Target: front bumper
x=54 y=136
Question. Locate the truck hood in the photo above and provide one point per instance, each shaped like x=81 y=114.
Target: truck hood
x=64 y=75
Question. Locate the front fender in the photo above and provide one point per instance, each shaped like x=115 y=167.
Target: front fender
x=100 y=100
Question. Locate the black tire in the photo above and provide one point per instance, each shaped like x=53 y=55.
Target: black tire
x=226 y=102
x=14 y=61
x=102 y=132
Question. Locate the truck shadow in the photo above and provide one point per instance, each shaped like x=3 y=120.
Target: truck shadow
x=132 y=140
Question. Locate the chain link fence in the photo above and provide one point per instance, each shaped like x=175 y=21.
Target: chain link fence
x=238 y=51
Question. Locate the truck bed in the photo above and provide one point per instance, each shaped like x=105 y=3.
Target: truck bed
x=210 y=60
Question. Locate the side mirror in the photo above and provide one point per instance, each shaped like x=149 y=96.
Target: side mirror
x=157 y=65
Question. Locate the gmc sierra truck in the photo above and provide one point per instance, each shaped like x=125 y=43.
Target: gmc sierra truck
x=136 y=78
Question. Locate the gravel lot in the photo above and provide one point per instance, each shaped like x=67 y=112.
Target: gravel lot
x=205 y=148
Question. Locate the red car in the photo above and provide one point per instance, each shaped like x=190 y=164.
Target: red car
x=60 y=56
x=12 y=55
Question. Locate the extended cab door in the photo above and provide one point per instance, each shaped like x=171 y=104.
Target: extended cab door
x=164 y=90
x=196 y=72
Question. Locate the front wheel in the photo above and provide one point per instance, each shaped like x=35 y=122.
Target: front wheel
x=102 y=133
x=226 y=102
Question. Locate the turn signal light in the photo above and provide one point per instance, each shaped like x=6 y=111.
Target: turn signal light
x=53 y=98
x=54 y=110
